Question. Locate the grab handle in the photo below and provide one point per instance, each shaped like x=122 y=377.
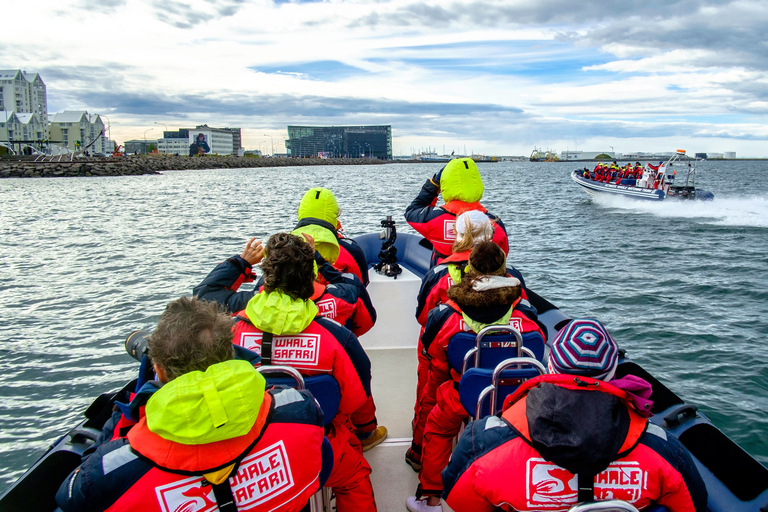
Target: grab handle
x=679 y=416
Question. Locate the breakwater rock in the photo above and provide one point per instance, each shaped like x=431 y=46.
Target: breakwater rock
x=28 y=167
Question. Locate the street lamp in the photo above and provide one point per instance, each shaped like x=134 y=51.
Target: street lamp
x=166 y=126
x=369 y=152
x=273 y=143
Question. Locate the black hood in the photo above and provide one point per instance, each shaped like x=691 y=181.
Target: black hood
x=581 y=431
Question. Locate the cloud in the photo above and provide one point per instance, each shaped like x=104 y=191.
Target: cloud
x=186 y=14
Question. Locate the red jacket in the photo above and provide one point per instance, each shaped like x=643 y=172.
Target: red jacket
x=446 y=321
x=323 y=347
x=635 y=461
x=435 y=284
x=437 y=224
x=280 y=465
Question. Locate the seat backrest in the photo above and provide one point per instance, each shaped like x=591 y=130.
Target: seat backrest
x=534 y=342
x=504 y=380
x=323 y=387
x=494 y=344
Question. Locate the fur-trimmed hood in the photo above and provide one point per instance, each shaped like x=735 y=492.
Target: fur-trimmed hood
x=486 y=299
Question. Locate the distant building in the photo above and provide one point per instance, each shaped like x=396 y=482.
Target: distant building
x=23 y=93
x=729 y=154
x=23 y=110
x=340 y=141
x=237 y=140
x=21 y=131
x=174 y=143
x=77 y=130
x=140 y=146
x=583 y=155
x=219 y=139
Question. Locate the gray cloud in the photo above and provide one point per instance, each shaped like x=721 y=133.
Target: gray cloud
x=496 y=124
x=189 y=13
x=734 y=31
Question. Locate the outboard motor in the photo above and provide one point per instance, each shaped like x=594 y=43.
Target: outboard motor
x=388 y=255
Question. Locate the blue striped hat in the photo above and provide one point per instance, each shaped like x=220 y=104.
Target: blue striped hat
x=584 y=347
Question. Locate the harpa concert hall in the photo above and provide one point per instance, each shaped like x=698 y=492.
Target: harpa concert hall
x=340 y=141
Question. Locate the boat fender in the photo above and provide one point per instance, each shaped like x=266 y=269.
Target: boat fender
x=679 y=415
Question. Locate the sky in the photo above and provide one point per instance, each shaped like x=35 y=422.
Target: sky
x=494 y=77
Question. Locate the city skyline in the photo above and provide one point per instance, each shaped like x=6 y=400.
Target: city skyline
x=494 y=77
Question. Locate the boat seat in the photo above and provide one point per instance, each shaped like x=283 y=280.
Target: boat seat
x=477 y=384
x=502 y=343
x=476 y=358
x=324 y=388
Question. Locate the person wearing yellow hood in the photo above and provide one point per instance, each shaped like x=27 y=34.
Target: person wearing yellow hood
x=283 y=325
x=461 y=187
x=211 y=436
x=319 y=217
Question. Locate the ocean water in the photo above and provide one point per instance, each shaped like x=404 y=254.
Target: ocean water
x=683 y=287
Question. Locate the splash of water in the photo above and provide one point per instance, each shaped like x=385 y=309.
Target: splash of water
x=722 y=211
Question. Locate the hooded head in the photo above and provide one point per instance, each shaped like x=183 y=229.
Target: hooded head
x=486 y=295
x=460 y=180
x=472 y=227
x=319 y=217
x=319 y=203
x=584 y=347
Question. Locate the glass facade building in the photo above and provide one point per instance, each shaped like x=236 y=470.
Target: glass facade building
x=340 y=141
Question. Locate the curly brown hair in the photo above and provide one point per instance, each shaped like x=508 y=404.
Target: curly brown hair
x=289 y=266
x=488 y=258
x=191 y=335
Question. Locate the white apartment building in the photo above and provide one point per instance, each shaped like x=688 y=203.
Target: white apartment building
x=20 y=131
x=24 y=93
x=77 y=130
x=173 y=146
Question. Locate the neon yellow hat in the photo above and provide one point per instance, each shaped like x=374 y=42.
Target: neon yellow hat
x=204 y=407
x=460 y=180
x=320 y=203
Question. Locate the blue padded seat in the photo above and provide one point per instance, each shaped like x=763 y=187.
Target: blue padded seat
x=323 y=387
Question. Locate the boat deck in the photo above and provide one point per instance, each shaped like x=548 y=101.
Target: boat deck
x=391 y=347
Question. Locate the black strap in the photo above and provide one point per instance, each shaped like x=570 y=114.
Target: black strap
x=311 y=221
x=266 y=349
x=586 y=488
x=223 y=494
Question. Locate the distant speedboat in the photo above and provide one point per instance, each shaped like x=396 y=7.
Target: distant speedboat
x=656 y=184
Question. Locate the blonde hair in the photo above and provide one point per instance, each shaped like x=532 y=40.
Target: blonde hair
x=473 y=234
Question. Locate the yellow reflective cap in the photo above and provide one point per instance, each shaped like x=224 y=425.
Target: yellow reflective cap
x=461 y=180
x=319 y=203
x=204 y=407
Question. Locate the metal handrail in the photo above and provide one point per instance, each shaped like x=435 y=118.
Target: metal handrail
x=512 y=361
x=283 y=370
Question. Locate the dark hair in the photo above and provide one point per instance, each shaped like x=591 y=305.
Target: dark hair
x=191 y=335
x=488 y=258
x=289 y=266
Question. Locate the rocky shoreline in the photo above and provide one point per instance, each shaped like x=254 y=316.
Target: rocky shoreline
x=27 y=167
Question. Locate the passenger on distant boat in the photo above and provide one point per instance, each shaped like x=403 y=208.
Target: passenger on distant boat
x=462 y=188
x=286 y=328
x=211 y=435
x=319 y=217
x=485 y=296
x=575 y=436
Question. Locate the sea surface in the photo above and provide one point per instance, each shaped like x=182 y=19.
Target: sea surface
x=683 y=287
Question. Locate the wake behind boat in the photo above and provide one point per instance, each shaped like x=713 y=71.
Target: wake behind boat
x=735 y=481
x=652 y=183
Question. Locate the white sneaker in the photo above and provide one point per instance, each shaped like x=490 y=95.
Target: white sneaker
x=415 y=504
